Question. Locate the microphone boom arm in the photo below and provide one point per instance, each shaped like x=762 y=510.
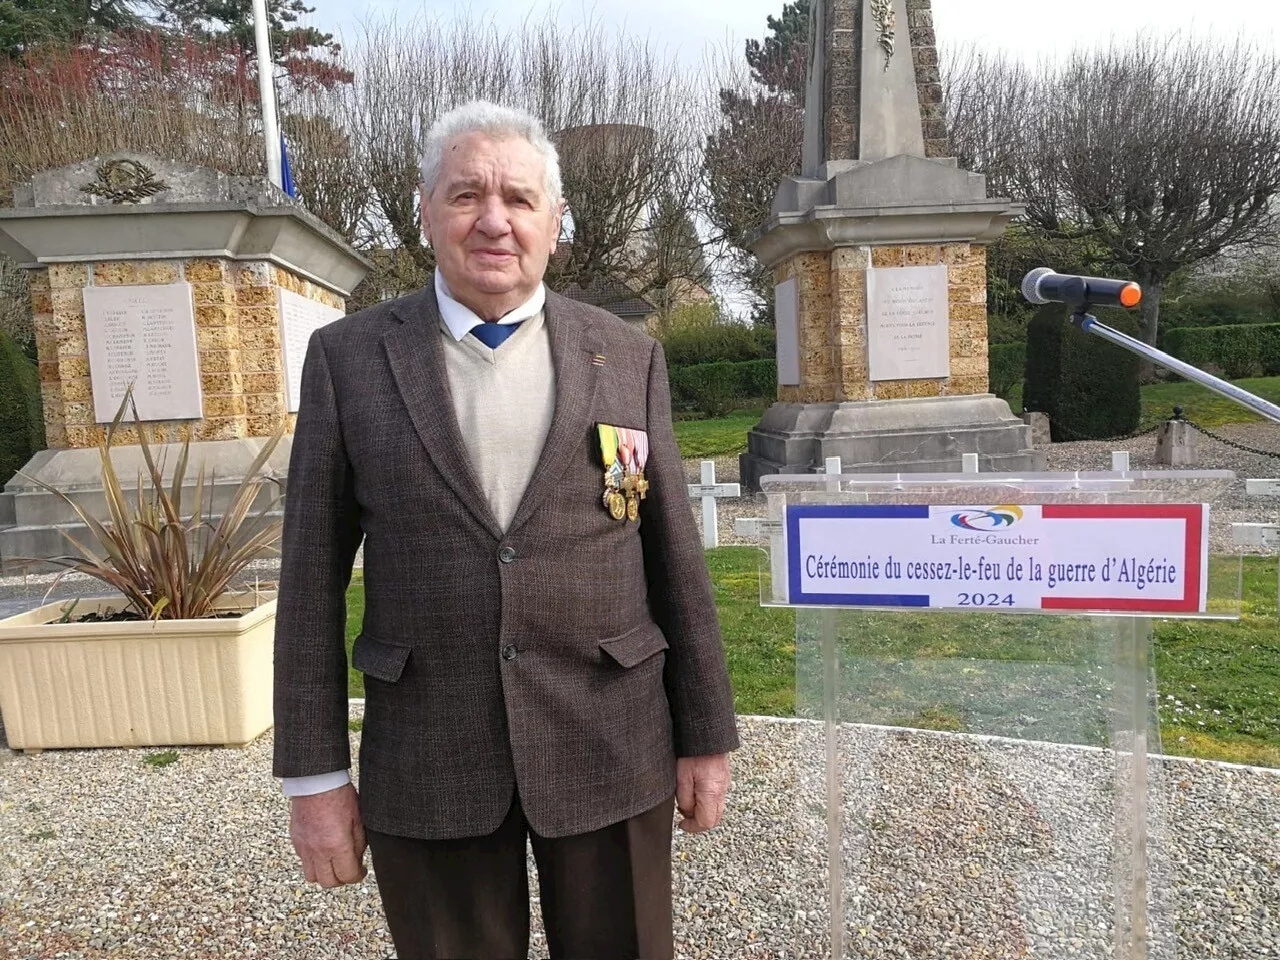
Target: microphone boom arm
x=1090 y=324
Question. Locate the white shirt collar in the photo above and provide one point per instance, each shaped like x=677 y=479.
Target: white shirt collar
x=460 y=320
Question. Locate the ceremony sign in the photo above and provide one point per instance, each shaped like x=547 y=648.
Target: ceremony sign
x=1117 y=558
x=984 y=642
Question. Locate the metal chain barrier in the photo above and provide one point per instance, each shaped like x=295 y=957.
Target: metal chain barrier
x=1274 y=454
x=1072 y=436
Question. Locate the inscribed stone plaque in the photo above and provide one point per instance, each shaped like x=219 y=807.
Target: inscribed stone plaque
x=907 y=333
x=787 y=326
x=144 y=336
x=300 y=317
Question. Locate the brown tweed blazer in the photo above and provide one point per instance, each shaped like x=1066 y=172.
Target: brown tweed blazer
x=571 y=659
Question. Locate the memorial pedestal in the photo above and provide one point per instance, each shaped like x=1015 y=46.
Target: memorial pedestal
x=32 y=520
x=197 y=289
x=929 y=435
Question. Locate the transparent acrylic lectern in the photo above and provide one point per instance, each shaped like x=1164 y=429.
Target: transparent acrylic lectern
x=977 y=767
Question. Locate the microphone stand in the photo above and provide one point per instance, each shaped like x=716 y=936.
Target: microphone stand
x=1091 y=324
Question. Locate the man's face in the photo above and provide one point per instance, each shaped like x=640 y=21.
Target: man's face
x=491 y=223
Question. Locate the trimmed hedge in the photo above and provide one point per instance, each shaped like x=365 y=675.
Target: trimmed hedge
x=21 y=412
x=713 y=389
x=1006 y=366
x=1088 y=387
x=717 y=343
x=1246 y=350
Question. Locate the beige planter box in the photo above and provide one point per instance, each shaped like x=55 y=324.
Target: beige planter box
x=170 y=683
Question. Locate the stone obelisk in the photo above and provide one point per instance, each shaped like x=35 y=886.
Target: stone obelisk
x=878 y=253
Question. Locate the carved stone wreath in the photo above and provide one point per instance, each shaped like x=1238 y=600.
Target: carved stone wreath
x=887 y=22
x=125 y=181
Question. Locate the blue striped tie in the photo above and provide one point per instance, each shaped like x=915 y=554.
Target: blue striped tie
x=494 y=335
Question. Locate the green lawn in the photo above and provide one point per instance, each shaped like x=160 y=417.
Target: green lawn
x=727 y=436
x=1219 y=681
x=707 y=439
x=1203 y=406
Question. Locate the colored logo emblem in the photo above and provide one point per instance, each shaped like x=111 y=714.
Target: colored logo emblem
x=996 y=518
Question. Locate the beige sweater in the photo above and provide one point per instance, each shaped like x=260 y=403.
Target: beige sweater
x=504 y=400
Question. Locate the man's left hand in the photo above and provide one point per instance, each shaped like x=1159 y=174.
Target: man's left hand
x=701 y=786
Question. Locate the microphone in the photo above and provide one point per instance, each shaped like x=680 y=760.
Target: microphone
x=1042 y=286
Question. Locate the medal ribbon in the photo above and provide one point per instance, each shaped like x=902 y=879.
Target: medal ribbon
x=608 y=445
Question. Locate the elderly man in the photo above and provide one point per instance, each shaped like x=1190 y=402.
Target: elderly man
x=540 y=648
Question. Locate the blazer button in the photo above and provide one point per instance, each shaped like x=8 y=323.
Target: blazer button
x=509 y=652
x=507 y=554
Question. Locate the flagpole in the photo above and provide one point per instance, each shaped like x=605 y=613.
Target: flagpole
x=267 y=91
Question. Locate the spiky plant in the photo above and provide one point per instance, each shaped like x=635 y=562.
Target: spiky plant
x=167 y=565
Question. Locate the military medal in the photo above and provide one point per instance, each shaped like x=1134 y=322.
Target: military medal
x=624 y=453
x=614 y=473
x=641 y=485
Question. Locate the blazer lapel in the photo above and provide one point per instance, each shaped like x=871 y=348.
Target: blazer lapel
x=573 y=344
x=416 y=355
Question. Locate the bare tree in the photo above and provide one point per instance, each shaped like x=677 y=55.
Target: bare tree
x=330 y=176
x=1153 y=155
x=621 y=116
x=754 y=144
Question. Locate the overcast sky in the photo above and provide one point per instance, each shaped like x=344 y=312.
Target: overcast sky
x=686 y=27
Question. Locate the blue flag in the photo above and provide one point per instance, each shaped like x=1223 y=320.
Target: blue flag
x=286 y=175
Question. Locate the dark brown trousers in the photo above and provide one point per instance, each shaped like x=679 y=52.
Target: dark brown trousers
x=606 y=895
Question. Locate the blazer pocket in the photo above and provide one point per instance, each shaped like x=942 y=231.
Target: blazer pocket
x=382 y=661
x=635 y=646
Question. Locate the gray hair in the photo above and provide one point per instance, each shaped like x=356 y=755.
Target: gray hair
x=495 y=121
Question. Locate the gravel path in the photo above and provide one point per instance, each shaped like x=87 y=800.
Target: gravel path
x=956 y=847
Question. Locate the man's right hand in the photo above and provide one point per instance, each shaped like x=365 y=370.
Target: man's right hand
x=329 y=837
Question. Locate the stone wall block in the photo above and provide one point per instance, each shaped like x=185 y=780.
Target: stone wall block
x=222 y=383
x=231 y=406
x=215 y=316
x=922 y=256
x=888 y=256
x=272 y=383
x=264 y=405
x=38 y=281
x=260 y=338
x=213 y=294
x=971 y=275
x=206 y=271
x=72 y=345
x=961 y=386
x=76 y=412
x=79 y=390
x=157 y=271
x=257 y=317
x=217 y=338
x=221 y=428
x=259 y=361
x=893 y=389
x=67 y=276
x=255 y=296
x=260 y=425
x=924 y=388
x=115 y=273
x=219 y=361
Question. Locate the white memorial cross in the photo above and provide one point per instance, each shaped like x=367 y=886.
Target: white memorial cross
x=1265 y=535
x=708 y=491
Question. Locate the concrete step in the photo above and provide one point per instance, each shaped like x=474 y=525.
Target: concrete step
x=42 y=541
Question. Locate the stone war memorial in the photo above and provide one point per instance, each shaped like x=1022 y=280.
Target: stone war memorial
x=199 y=289
x=878 y=255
